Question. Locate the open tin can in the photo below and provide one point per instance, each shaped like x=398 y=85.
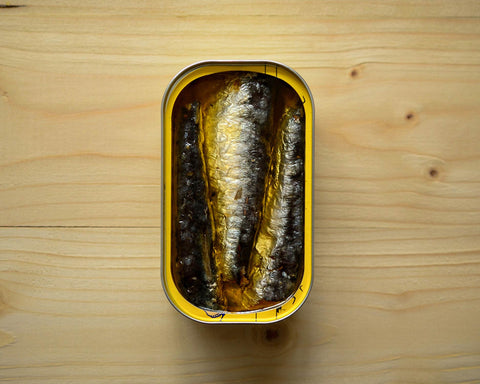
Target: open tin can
x=237 y=206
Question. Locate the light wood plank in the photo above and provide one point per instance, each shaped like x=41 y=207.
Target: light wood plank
x=396 y=97
x=397 y=306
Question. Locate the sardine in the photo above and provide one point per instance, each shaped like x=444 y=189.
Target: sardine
x=275 y=265
x=193 y=229
x=235 y=151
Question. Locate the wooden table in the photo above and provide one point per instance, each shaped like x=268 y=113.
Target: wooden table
x=396 y=297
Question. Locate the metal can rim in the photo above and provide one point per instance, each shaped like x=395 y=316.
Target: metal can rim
x=219 y=315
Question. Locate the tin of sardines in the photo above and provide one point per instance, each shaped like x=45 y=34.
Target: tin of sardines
x=237 y=191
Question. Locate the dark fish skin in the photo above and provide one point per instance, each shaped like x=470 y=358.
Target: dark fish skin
x=279 y=248
x=236 y=158
x=193 y=230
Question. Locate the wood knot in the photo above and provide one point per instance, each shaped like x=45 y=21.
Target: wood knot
x=271 y=334
x=272 y=339
x=411 y=118
x=433 y=173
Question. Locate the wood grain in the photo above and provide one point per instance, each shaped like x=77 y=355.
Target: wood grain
x=396 y=296
x=388 y=306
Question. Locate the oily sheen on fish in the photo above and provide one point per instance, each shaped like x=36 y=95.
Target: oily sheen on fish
x=278 y=250
x=193 y=227
x=236 y=160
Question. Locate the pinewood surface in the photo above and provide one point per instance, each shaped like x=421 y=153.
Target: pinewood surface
x=396 y=295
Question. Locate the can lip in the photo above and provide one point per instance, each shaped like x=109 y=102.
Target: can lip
x=202 y=63
x=223 y=313
x=171 y=85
